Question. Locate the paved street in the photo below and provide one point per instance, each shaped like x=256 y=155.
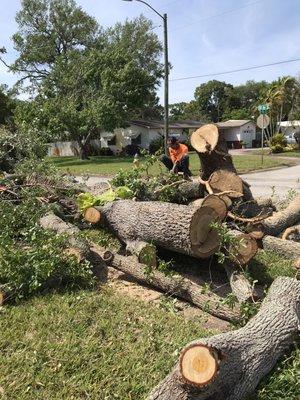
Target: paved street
x=282 y=180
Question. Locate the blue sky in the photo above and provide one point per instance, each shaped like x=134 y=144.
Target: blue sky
x=205 y=36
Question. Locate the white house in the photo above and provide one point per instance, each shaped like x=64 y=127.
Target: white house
x=238 y=132
x=139 y=132
x=289 y=128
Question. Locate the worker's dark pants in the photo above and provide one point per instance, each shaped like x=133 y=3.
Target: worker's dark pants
x=181 y=166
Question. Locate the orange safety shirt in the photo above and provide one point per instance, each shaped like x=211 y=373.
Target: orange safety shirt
x=177 y=154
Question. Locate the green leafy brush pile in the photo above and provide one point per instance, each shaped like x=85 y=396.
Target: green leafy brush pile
x=32 y=260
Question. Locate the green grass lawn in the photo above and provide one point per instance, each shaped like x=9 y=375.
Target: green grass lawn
x=104 y=345
x=107 y=166
x=295 y=153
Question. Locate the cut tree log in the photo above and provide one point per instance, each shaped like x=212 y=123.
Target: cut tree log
x=188 y=190
x=175 y=285
x=179 y=228
x=223 y=180
x=92 y=215
x=240 y=286
x=205 y=138
x=281 y=220
x=214 y=202
x=78 y=245
x=214 y=156
x=242 y=357
x=285 y=248
x=243 y=248
x=145 y=252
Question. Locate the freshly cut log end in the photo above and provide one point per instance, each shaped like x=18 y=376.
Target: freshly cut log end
x=205 y=139
x=92 y=215
x=198 y=364
x=223 y=180
x=214 y=202
x=243 y=249
x=145 y=252
x=251 y=351
x=204 y=239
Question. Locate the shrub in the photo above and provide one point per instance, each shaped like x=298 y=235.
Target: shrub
x=156 y=145
x=278 y=139
x=277 y=148
x=132 y=149
x=18 y=145
x=105 y=151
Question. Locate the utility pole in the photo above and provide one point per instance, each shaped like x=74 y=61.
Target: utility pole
x=166 y=70
x=166 y=83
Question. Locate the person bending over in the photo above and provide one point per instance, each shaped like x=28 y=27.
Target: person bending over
x=179 y=158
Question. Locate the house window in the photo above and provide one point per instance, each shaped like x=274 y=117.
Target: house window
x=112 y=141
x=137 y=140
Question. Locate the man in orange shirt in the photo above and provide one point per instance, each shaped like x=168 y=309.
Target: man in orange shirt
x=179 y=158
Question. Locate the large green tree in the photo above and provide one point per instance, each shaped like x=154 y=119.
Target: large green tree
x=213 y=98
x=85 y=79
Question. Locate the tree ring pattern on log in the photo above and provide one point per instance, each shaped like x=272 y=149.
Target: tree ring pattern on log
x=198 y=364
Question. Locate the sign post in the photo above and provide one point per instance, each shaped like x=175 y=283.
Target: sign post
x=262 y=122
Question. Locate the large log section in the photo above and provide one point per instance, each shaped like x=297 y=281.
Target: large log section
x=229 y=366
x=175 y=227
x=281 y=220
x=213 y=153
x=174 y=285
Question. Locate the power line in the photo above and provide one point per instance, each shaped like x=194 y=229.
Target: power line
x=218 y=15
x=235 y=70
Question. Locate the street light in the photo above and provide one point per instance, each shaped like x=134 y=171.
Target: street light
x=166 y=99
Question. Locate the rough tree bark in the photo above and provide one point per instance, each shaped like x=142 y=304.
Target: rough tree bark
x=213 y=153
x=175 y=285
x=285 y=248
x=243 y=357
x=179 y=228
x=281 y=220
x=240 y=286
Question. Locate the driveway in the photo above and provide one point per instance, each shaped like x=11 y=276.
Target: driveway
x=282 y=180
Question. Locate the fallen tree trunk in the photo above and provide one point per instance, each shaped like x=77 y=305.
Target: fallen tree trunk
x=229 y=366
x=78 y=246
x=179 y=228
x=285 y=248
x=175 y=285
x=281 y=220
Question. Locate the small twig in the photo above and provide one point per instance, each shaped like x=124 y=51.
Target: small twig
x=253 y=220
x=207 y=186
x=159 y=190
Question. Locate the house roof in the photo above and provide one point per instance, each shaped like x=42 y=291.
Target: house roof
x=156 y=124
x=233 y=123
